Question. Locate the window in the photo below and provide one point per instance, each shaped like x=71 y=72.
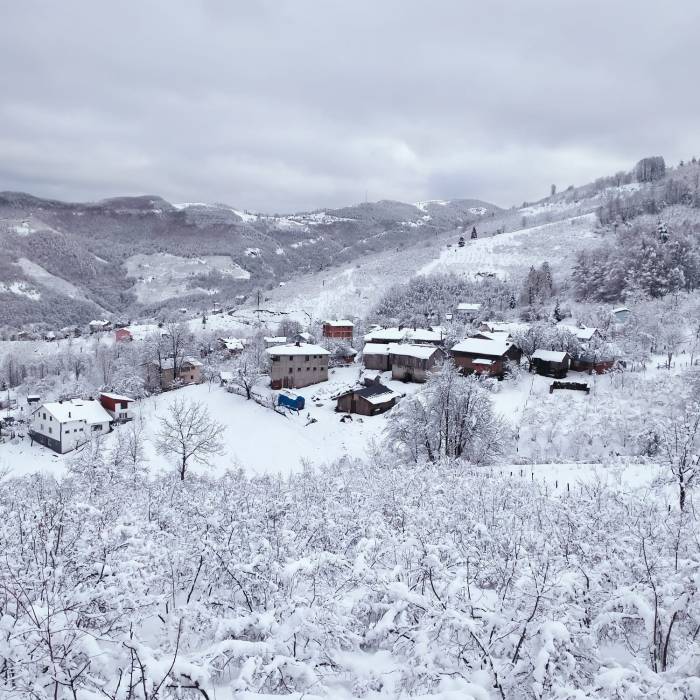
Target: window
x=44 y=416
x=275 y=358
x=97 y=427
x=291 y=369
x=306 y=358
x=298 y=369
x=50 y=431
x=314 y=369
x=308 y=369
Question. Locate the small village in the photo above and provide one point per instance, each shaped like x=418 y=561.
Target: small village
x=307 y=374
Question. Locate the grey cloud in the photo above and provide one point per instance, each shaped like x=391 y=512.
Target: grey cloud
x=300 y=104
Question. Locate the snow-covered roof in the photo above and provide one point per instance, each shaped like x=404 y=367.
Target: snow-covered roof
x=416 y=335
x=232 y=343
x=583 y=333
x=301 y=349
x=505 y=326
x=468 y=307
x=620 y=309
x=481 y=361
x=168 y=363
x=483 y=348
x=91 y=412
x=341 y=322
x=276 y=339
x=377 y=348
x=116 y=397
x=550 y=355
x=225 y=376
x=385 y=396
x=99 y=323
x=420 y=352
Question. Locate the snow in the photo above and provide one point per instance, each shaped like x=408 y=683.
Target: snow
x=91 y=412
x=549 y=355
x=300 y=349
x=421 y=352
x=21 y=289
x=416 y=335
x=479 y=346
x=343 y=323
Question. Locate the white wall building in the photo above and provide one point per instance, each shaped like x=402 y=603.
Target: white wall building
x=65 y=425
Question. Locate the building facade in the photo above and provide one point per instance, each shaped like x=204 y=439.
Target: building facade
x=298 y=365
x=338 y=329
x=64 y=425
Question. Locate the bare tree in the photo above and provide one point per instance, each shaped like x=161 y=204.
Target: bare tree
x=247 y=372
x=188 y=432
x=680 y=450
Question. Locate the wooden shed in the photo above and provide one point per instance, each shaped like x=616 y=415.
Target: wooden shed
x=551 y=363
x=368 y=400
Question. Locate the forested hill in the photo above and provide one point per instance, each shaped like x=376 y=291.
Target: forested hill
x=66 y=262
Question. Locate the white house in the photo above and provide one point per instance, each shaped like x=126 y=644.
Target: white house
x=467 y=311
x=65 y=425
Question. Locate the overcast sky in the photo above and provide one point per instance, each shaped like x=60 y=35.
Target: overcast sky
x=276 y=106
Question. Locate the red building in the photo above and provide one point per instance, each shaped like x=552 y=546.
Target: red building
x=123 y=335
x=338 y=329
x=117 y=406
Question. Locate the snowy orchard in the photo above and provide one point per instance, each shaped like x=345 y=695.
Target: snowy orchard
x=358 y=581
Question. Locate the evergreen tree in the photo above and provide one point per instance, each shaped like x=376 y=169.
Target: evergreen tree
x=474 y=234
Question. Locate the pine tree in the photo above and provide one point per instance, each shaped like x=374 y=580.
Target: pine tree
x=461 y=241
x=557 y=312
x=474 y=234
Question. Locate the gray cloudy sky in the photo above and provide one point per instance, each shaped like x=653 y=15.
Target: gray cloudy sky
x=282 y=105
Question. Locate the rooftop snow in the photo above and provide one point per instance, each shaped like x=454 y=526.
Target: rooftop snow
x=91 y=412
x=301 y=349
x=549 y=355
x=483 y=348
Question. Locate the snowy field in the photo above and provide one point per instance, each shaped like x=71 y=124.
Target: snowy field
x=256 y=439
x=261 y=441
x=162 y=276
x=511 y=253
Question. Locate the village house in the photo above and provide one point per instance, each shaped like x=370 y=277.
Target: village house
x=123 y=335
x=298 y=365
x=486 y=356
x=582 y=333
x=550 y=363
x=98 y=326
x=467 y=312
x=189 y=371
x=592 y=363
x=338 y=329
x=234 y=346
x=401 y=334
x=621 y=314
x=368 y=400
x=117 y=406
x=64 y=425
x=271 y=341
x=342 y=355
x=377 y=356
x=413 y=363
